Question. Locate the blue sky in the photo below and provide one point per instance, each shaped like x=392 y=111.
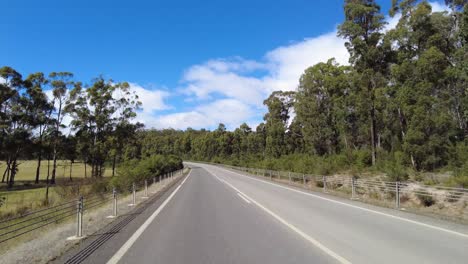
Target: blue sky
x=194 y=63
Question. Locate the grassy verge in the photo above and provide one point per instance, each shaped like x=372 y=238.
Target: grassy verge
x=27 y=170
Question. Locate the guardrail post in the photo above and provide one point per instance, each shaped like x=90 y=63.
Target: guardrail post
x=114 y=196
x=324 y=179
x=289 y=175
x=397 y=195
x=303 y=179
x=79 y=216
x=270 y=177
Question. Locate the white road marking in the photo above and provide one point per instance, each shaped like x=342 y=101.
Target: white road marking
x=121 y=252
x=357 y=207
x=292 y=227
x=244 y=198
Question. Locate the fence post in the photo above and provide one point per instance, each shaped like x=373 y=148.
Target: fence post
x=79 y=215
x=114 y=196
x=134 y=194
x=397 y=196
x=146 y=188
x=324 y=179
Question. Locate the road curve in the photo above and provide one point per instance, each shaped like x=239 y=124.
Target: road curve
x=221 y=216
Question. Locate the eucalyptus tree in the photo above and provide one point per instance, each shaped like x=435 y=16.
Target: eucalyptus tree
x=276 y=121
x=419 y=76
x=9 y=93
x=362 y=29
x=61 y=83
x=319 y=107
x=41 y=109
x=102 y=113
x=16 y=121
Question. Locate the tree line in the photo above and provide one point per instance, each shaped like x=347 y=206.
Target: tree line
x=401 y=104
x=33 y=122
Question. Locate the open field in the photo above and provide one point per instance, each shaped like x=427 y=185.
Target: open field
x=30 y=196
x=27 y=170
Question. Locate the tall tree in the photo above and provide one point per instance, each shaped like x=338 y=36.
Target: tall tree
x=41 y=110
x=363 y=30
x=61 y=83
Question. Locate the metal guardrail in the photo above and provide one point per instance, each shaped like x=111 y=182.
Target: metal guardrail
x=17 y=226
x=357 y=186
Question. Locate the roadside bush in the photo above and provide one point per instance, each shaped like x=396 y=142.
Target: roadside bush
x=138 y=170
x=425 y=199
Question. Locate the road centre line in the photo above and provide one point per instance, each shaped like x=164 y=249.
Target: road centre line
x=292 y=227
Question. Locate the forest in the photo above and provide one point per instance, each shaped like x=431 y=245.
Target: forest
x=400 y=107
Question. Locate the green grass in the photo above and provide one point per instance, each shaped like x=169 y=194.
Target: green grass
x=27 y=170
x=30 y=196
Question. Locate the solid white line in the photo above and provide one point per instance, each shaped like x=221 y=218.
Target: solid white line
x=357 y=207
x=293 y=228
x=244 y=198
x=121 y=252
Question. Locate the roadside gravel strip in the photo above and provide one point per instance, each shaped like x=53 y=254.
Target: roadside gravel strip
x=52 y=245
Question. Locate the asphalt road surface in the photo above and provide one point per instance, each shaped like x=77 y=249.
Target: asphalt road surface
x=217 y=215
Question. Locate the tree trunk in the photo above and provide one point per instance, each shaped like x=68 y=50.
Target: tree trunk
x=85 y=170
x=71 y=167
x=6 y=173
x=38 y=169
x=113 y=165
x=373 y=137
x=54 y=166
x=13 y=170
x=48 y=168
x=401 y=117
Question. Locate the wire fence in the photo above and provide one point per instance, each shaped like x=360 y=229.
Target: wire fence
x=399 y=192
x=31 y=221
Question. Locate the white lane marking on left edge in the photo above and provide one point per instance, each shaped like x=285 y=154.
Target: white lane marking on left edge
x=292 y=227
x=243 y=198
x=121 y=252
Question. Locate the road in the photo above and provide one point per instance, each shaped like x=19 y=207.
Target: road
x=221 y=216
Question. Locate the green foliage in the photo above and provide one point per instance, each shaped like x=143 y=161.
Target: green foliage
x=136 y=171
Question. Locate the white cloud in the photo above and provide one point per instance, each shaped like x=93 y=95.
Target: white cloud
x=393 y=21
x=281 y=68
x=151 y=100
x=439 y=7
x=231 y=112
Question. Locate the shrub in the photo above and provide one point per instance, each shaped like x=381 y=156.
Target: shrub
x=134 y=171
x=425 y=199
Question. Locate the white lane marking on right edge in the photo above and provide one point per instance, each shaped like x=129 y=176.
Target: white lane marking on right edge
x=357 y=207
x=243 y=198
x=121 y=252
x=292 y=227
